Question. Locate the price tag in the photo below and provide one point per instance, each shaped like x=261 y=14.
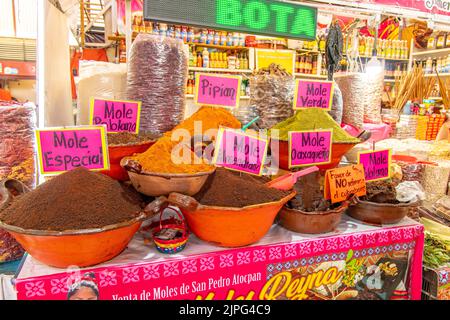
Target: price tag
x=377 y=164
x=310 y=147
x=238 y=151
x=217 y=90
x=313 y=94
x=341 y=183
x=117 y=115
x=63 y=149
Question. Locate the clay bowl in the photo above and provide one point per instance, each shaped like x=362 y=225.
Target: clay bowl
x=311 y=222
x=157 y=184
x=337 y=152
x=378 y=213
x=117 y=152
x=81 y=248
x=228 y=227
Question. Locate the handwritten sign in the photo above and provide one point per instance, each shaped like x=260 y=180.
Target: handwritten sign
x=238 y=151
x=377 y=164
x=310 y=147
x=63 y=149
x=313 y=94
x=117 y=115
x=341 y=183
x=217 y=90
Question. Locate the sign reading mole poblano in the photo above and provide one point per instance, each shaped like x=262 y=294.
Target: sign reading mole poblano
x=266 y=17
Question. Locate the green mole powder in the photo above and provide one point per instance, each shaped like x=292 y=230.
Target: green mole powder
x=311 y=119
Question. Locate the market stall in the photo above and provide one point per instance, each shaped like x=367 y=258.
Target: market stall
x=230 y=157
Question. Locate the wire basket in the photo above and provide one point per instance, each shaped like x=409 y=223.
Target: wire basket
x=173 y=245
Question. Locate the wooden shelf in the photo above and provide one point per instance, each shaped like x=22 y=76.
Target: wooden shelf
x=431 y=52
x=220 y=70
x=191 y=96
x=435 y=75
x=381 y=58
x=217 y=46
x=307 y=75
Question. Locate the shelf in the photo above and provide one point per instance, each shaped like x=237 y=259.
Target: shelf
x=306 y=75
x=191 y=96
x=381 y=58
x=220 y=70
x=431 y=52
x=309 y=51
x=435 y=75
x=217 y=46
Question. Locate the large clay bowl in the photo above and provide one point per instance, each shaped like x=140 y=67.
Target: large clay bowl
x=80 y=248
x=311 y=222
x=158 y=184
x=378 y=213
x=117 y=152
x=338 y=150
x=229 y=227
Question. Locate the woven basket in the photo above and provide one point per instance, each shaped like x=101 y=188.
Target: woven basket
x=174 y=245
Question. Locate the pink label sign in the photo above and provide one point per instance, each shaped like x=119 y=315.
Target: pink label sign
x=310 y=147
x=217 y=90
x=377 y=164
x=241 y=152
x=117 y=115
x=313 y=94
x=62 y=149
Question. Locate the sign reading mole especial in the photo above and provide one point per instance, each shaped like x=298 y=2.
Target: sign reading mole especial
x=63 y=149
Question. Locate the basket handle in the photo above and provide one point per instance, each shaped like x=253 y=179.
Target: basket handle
x=183 y=201
x=180 y=216
x=156 y=206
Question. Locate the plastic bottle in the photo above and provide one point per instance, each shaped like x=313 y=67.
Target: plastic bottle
x=223 y=39
x=203 y=36
x=199 y=60
x=194 y=58
x=190 y=35
x=205 y=56
x=216 y=38
x=184 y=33
x=241 y=40
x=319 y=64
x=210 y=37
x=235 y=39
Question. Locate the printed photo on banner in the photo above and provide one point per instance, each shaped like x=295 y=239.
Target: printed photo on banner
x=238 y=151
x=284 y=58
x=217 y=90
x=313 y=94
x=117 y=115
x=66 y=148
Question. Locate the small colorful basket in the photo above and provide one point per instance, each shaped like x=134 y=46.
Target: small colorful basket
x=173 y=245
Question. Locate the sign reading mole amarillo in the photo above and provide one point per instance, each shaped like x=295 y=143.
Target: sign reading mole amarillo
x=63 y=149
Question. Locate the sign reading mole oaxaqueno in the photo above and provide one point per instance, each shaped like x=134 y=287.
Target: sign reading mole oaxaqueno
x=266 y=17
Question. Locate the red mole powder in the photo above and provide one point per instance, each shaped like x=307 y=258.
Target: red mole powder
x=228 y=189
x=78 y=199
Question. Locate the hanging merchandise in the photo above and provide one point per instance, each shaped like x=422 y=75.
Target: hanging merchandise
x=272 y=93
x=333 y=46
x=157 y=76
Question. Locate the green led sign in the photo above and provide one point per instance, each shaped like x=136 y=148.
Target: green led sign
x=264 y=17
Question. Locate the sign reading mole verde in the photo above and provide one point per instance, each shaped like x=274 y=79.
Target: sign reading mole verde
x=265 y=17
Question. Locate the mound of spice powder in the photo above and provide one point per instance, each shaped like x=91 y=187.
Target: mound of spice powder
x=125 y=138
x=227 y=189
x=312 y=119
x=78 y=199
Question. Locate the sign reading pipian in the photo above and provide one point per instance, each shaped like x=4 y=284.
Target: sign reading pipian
x=239 y=151
x=217 y=90
x=377 y=164
x=117 y=115
x=313 y=94
x=265 y=17
x=310 y=147
x=63 y=149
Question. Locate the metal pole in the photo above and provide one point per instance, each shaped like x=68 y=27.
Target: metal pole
x=82 y=23
x=128 y=31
